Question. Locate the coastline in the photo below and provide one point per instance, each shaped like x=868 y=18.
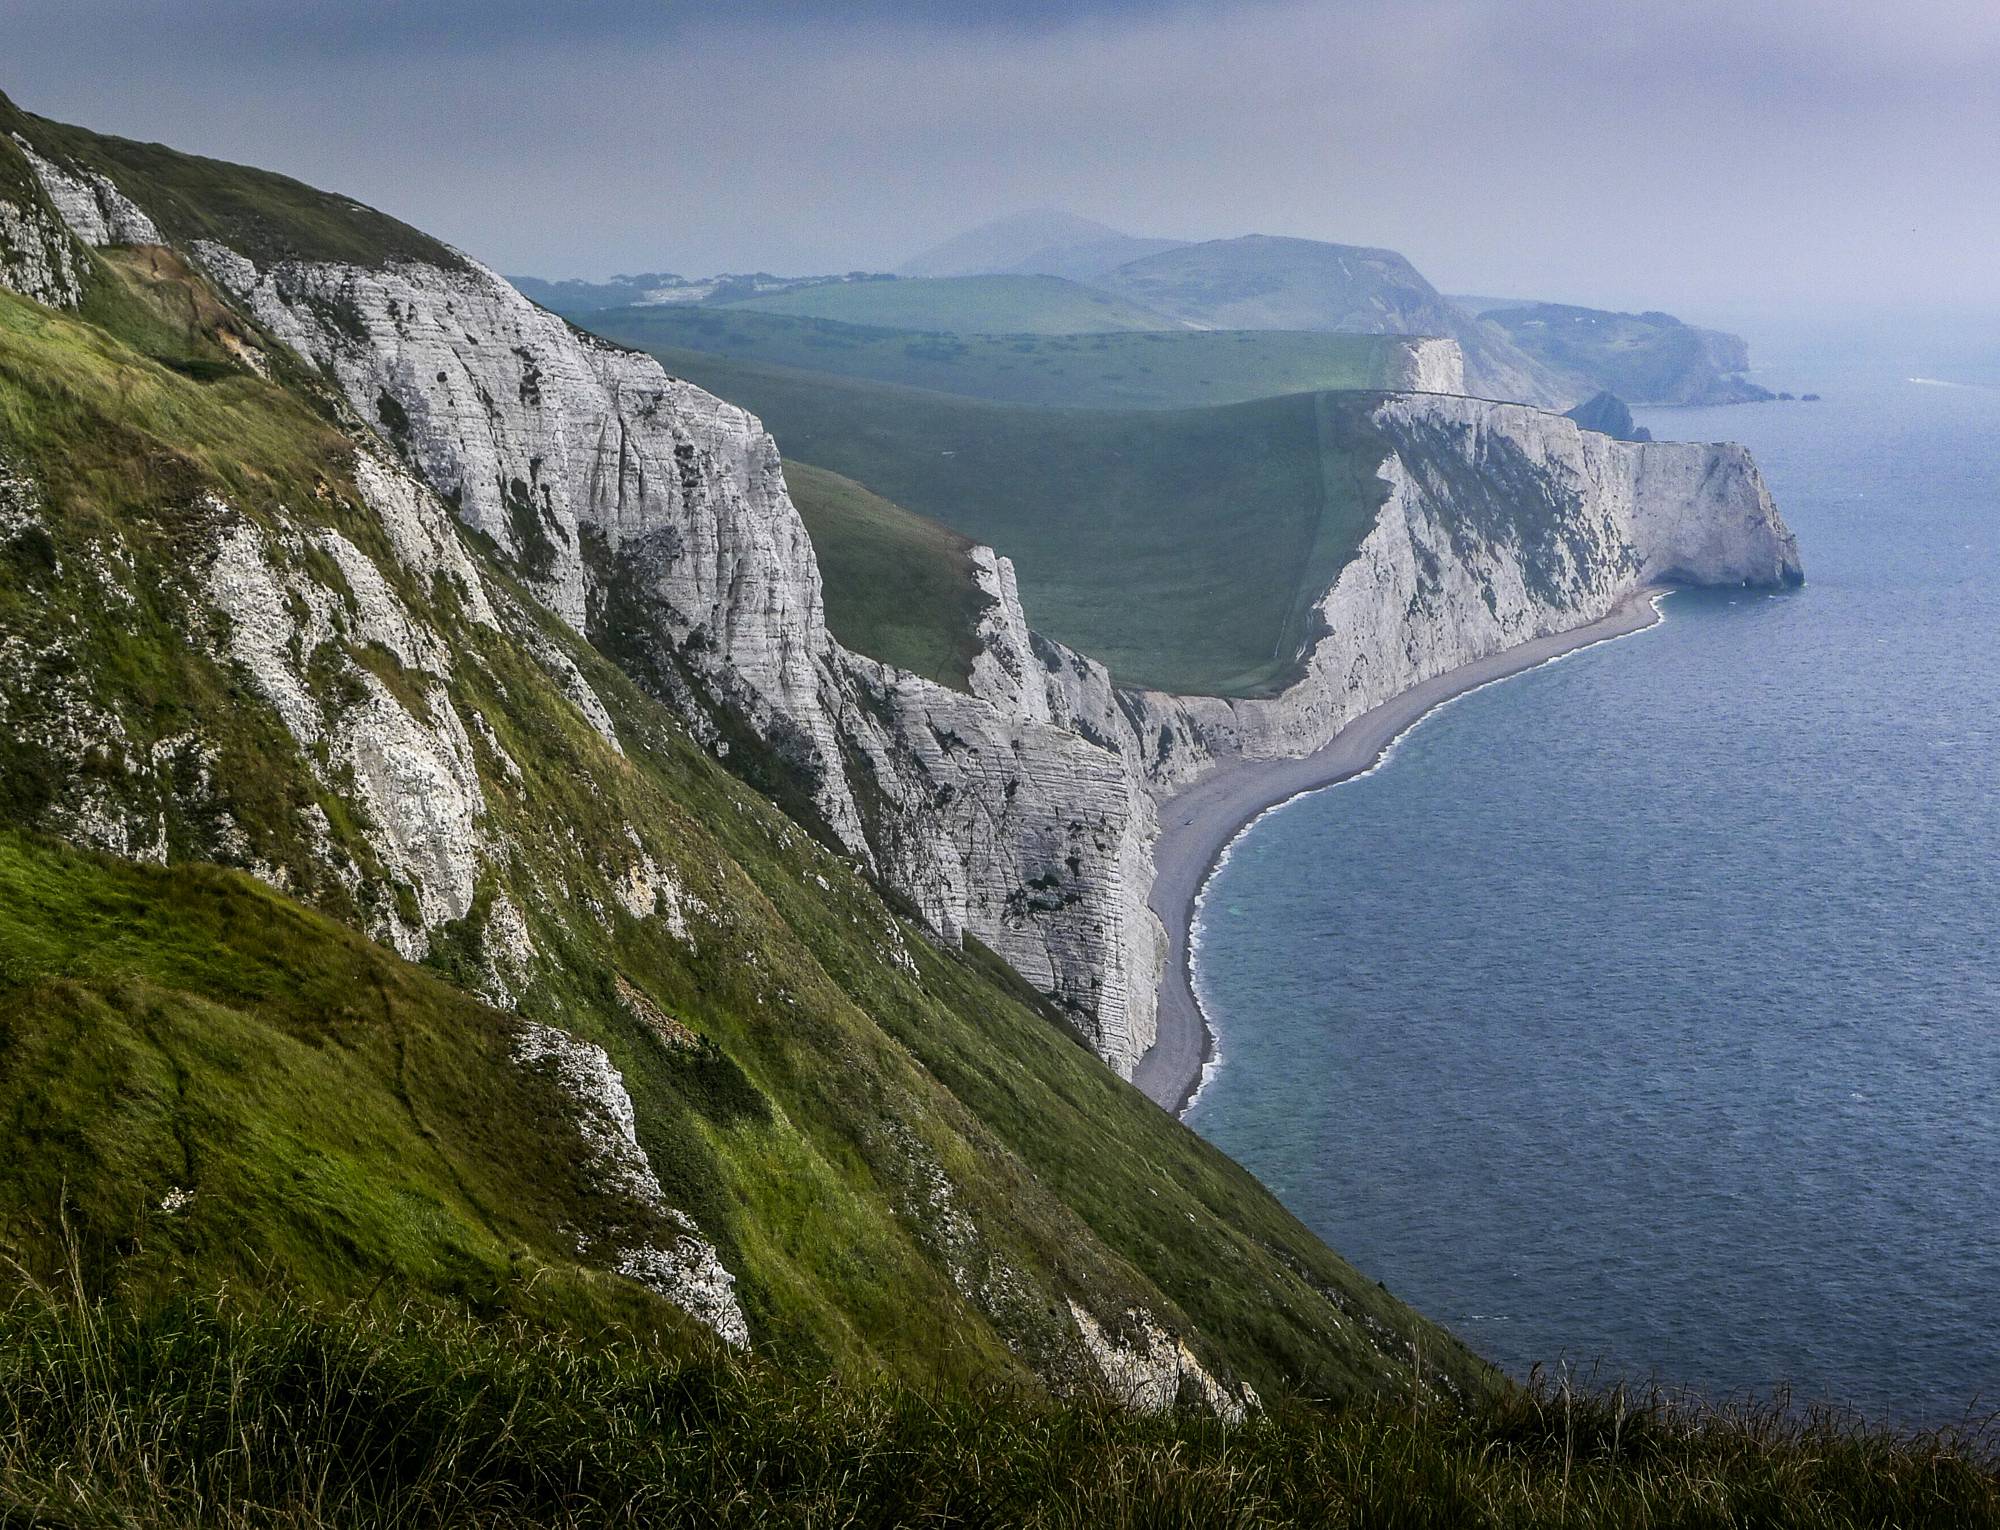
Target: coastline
x=1199 y=824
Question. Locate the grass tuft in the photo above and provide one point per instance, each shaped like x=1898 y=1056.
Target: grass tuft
x=213 y=1410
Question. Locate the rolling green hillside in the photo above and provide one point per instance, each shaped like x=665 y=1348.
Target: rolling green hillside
x=1184 y=548
x=1158 y=369
x=899 y=588
x=990 y=305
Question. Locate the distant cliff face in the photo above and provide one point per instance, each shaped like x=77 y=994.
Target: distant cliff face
x=1502 y=523
x=1644 y=358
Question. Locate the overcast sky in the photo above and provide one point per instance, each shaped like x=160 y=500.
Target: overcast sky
x=1713 y=156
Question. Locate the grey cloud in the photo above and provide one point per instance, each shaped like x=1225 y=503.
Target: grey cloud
x=1686 y=154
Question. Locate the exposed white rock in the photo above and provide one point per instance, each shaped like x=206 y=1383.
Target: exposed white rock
x=1431 y=366
x=676 y=1262
x=1502 y=523
x=425 y=541
x=38 y=258
x=645 y=890
x=586 y=464
x=412 y=776
x=96 y=211
x=1148 y=1370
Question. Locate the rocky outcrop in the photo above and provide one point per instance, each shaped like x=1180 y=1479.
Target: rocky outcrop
x=644 y=512
x=664 y=1250
x=39 y=257
x=1003 y=821
x=1431 y=366
x=654 y=518
x=96 y=211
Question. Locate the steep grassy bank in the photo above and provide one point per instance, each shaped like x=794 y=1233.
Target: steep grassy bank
x=899 y=587
x=219 y=1412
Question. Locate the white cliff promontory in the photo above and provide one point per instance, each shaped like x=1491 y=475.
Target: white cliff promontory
x=1501 y=523
x=1432 y=366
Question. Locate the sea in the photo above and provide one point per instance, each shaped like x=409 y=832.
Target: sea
x=1639 y=1017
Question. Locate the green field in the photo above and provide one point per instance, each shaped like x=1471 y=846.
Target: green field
x=989 y=305
x=899 y=588
x=1157 y=369
x=1184 y=548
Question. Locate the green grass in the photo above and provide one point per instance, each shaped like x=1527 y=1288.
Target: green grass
x=1184 y=548
x=1155 y=369
x=123 y=404
x=990 y=305
x=341 y=1117
x=899 y=588
x=213 y=1411
x=265 y=216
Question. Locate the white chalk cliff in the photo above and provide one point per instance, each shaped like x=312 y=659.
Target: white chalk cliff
x=654 y=519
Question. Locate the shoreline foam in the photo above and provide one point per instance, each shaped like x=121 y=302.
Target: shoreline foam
x=1200 y=825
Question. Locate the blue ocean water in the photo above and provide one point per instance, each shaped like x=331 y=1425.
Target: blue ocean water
x=1643 y=1011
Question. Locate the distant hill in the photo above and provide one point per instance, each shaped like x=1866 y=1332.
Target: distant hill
x=1644 y=358
x=1149 y=369
x=991 y=305
x=1262 y=282
x=1044 y=243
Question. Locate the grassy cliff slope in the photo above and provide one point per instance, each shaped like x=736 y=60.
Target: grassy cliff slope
x=899 y=588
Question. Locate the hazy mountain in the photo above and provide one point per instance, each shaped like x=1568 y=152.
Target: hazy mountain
x=1041 y=243
x=1262 y=282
